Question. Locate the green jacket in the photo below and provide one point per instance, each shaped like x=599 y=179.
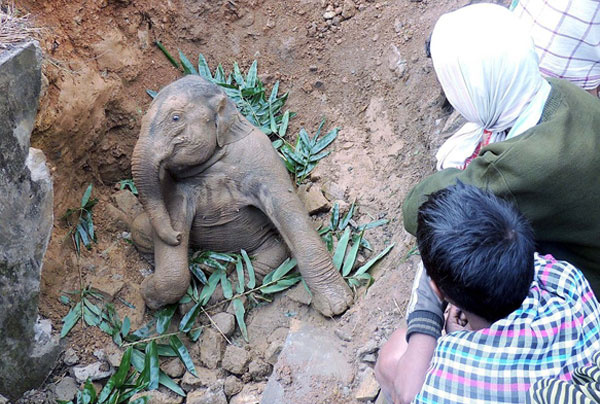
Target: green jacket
x=551 y=172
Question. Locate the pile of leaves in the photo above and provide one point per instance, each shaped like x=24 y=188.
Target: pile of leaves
x=80 y=222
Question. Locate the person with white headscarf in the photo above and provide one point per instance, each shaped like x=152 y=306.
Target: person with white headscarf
x=566 y=35
x=530 y=140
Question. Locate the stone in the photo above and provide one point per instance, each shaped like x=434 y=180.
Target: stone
x=211 y=346
x=251 y=394
x=93 y=371
x=225 y=322
x=114 y=356
x=368 y=387
x=206 y=377
x=213 y=395
x=127 y=203
x=333 y=191
x=370 y=347
x=259 y=370
x=157 y=397
x=328 y=15
x=173 y=368
x=70 y=357
x=273 y=351
x=369 y=358
x=26 y=214
x=117 y=220
x=235 y=359
x=66 y=389
x=106 y=286
x=348 y=9
x=299 y=294
x=341 y=334
x=313 y=198
x=396 y=63
x=232 y=386
x=310 y=356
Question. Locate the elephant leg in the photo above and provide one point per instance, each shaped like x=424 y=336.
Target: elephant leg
x=171 y=273
x=142 y=233
x=269 y=256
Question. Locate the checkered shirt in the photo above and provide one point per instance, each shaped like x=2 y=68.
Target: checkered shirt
x=555 y=331
x=566 y=34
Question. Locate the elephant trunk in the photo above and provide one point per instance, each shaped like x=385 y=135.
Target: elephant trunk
x=146 y=164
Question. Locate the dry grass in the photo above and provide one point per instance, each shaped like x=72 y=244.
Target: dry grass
x=14 y=28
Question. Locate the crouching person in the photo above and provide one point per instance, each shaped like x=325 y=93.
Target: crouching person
x=514 y=316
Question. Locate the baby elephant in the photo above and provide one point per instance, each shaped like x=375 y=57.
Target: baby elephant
x=209 y=179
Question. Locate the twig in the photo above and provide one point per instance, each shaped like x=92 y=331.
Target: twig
x=216 y=326
x=150 y=339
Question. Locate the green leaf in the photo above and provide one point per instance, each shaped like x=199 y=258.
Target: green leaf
x=198 y=273
x=373 y=261
x=221 y=256
x=117 y=380
x=152 y=93
x=183 y=354
x=86 y=196
x=195 y=333
x=340 y=251
x=251 y=276
x=239 y=268
x=170 y=384
x=140 y=400
x=71 y=319
x=351 y=257
x=284 y=124
x=283 y=284
x=335 y=215
x=347 y=217
x=252 y=75
x=188 y=67
x=328 y=238
x=88 y=394
x=65 y=300
x=226 y=286
x=373 y=224
x=326 y=140
x=203 y=68
x=163 y=318
x=167 y=54
x=187 y=322
x=211 y=286
x=125 y=327
x=304 y=138
x=283 y=269
x=153 y=365
x=237 y=75
x=238 y=307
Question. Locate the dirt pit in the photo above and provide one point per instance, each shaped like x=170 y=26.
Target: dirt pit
x=361 y=64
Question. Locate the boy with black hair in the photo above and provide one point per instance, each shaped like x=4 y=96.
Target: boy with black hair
x=515 y=316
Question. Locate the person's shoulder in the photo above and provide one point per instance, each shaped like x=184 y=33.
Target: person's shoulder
x=568 y=97
x=560 y=277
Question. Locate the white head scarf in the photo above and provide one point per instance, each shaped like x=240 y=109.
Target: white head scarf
x=487 y=66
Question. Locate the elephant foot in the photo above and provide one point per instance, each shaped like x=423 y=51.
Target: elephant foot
x=333 y=298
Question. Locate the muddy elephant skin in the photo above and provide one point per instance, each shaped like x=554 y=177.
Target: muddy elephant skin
x=208 y=178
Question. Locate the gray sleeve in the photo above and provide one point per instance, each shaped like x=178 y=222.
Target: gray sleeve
x=425 y=313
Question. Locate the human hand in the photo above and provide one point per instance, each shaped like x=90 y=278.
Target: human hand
x=456 y=320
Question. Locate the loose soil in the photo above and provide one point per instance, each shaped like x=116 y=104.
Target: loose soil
x=367 y=74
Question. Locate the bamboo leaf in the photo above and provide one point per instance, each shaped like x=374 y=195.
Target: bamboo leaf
x=163 y=318
x=86 y=196
x=347 y=217
x=237 y=75
x=351 y=257
x=373 y=224
x=283 y=284
x=117 y=380
x=188 y=319
x=167 y=54
x=284 y=124
x=251 y=275
x=183 y=354
x=238 y=307
x=326 y=140
x=152 y=93
x=153 y=365
x=239 y=268
x=170 y=384
x=226 y=286
x=203 y=68
x=125 y=327
x=252 y=75
x=195 y=334
x=373 y=261
x=198 y=273
x=211 y=286
x=88 y=394
x=188 y=67
x=340 y=251
x=335 y=216
x=283 y=269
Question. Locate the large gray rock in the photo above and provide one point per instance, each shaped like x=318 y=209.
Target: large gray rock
x=25 y=225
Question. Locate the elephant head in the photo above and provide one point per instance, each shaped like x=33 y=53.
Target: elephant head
x=189 y=122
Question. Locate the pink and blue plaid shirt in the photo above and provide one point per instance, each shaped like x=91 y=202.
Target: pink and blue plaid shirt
x=555 y=331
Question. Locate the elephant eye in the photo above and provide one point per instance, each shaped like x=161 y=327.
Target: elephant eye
x=175 y=117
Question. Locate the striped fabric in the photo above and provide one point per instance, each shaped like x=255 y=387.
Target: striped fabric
x=555 y=331
x=583 y=389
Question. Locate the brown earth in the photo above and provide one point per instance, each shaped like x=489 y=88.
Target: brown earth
x=365 y=70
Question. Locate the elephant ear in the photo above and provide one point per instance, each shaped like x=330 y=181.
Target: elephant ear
x=226 y=120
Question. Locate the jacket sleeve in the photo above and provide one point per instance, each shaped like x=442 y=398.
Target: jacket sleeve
x=425 y=313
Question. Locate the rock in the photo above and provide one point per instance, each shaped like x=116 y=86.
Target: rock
x=66 y=389
x=342 y=335
x=348 y=9
x=273 y=351
x=94 y=371
x=157 y=397
x=131 y=293
x=251 y=394
x=398 y=25
x=128 y=203
x=313 y=198
x=225 y=322
x=114 y=356
x=100 y=354
x=174 y=368
x=368 y=387
x=235 y=359
x=369 y=348
x=310 y=356
x=206 y=377
x=333 y=191
x=26 y=214
x=328 y=15
x=299 y=294
x=70 y=357
x=232 y=385
x=259 y=370
x=396 y=63
x=211 y=346
x=117 y=220
x=214 y=395
x=106 y=286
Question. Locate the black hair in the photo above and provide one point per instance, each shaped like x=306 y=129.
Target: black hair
x=477 y=248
